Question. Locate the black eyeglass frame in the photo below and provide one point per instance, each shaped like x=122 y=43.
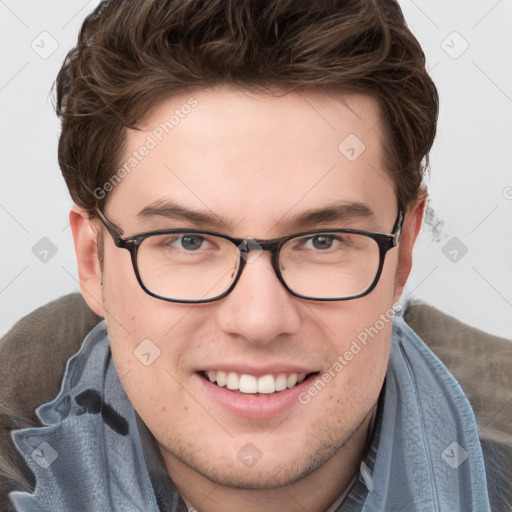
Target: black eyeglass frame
x=132 y=243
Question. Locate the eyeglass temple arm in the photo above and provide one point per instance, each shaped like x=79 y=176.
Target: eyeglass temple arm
x=114 y=230
x=397 y=228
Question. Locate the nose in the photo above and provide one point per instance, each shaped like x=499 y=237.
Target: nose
x=259 y=308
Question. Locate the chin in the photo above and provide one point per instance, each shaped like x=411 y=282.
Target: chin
x=271 y=466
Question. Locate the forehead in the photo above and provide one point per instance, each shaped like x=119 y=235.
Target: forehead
x=254 y=158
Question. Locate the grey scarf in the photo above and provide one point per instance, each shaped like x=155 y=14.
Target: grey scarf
x=93 y=454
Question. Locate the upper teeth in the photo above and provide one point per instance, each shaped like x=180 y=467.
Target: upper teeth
x=250 y=384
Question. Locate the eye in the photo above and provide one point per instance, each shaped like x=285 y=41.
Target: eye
x=186 y=242
x=321 y=242
x=190 y=242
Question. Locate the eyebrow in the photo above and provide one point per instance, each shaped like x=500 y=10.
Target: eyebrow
x=172 y=210
x=342 y=211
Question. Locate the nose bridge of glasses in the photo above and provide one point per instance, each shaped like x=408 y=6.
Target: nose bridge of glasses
x=252 y=244
x=250 y=249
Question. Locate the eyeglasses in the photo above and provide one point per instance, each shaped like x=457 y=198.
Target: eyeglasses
x=194 y=266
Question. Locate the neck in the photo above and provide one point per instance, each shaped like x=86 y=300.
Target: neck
x=315 y=492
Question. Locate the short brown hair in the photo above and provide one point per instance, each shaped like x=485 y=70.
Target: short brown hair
x=133 y=54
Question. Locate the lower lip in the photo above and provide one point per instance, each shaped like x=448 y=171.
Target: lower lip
x=260 y=406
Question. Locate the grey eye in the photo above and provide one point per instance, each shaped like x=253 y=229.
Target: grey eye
x=322 y=241
x=191 y=242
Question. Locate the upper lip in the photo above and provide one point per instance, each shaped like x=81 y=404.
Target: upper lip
x=260 y=371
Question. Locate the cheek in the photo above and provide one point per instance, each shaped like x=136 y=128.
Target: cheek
x=339 y=399
x=359 y=333
x=130 y=311
x=149 y=367
x=364 y=319
x=141 y=329
x=363 y=351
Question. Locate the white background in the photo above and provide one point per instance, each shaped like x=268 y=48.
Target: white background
x=470 y=184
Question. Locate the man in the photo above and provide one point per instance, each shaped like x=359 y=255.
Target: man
x=247 y=179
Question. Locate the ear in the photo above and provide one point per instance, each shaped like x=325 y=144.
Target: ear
x=85 y=237
x=410 y=231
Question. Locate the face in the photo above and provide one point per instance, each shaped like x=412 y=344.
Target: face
x=252 y=164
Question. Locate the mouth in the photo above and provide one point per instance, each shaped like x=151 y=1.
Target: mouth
x=246 y=384
x=255 y=393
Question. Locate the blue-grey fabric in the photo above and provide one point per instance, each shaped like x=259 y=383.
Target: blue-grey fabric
x=100 y=465
x=424 y=456
x=427 y=456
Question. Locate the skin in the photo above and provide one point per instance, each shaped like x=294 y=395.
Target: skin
x=254 y=160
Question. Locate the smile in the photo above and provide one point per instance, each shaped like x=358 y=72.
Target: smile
x=250 y=384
